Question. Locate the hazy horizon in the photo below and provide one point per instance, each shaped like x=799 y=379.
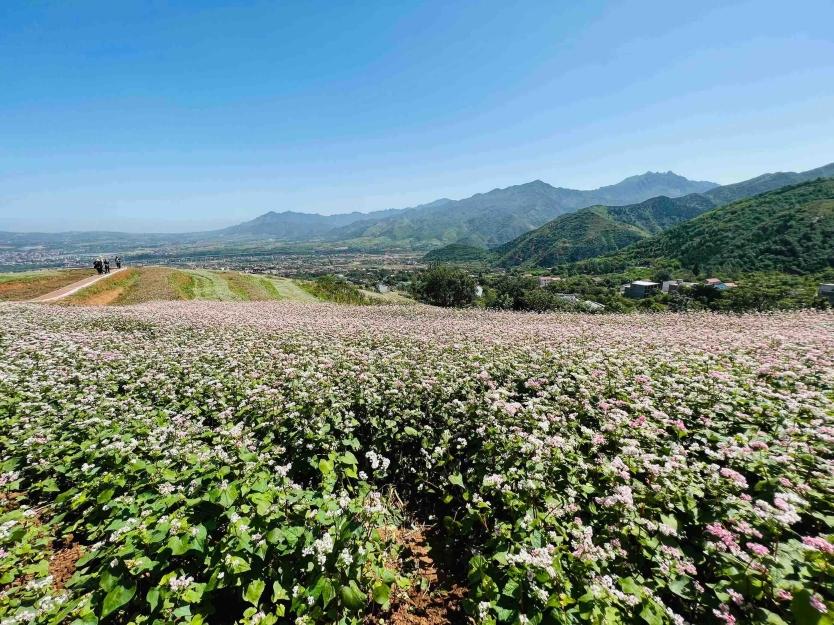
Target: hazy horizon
x=188 y=225
x=140 y=117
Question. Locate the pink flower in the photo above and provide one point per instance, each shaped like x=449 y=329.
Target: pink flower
x=783 y=595
x=737 y=478
x=817 y=604
x=818 y=543
x=724 y=614
x=727 y=538
x=737 y=597
x=758 y=549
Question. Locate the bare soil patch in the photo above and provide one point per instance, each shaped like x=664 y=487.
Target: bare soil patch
x=432 y=598
x=62 y=563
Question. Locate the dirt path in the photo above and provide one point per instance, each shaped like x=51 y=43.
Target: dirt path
x=74 y=287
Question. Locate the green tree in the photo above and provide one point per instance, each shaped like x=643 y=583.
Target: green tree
x=441 y=285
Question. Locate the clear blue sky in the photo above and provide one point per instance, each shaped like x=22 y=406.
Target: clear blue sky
x=182 y=115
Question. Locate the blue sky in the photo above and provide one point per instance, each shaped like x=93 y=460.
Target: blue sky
x=183 y=115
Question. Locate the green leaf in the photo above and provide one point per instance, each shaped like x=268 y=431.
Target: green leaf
x=228 y=495
x=279 y=593
x=653 y=615
x=411 y=431
x=254 y=591
x=772 y=618
x=348 y=458
x=510 y=588
x=678 y=586
x=177 y=545
x=456 y=479
x=292 y=534
x=381 y=593
x=105 y=495
x=328 y=592
x=352 y=597
x=117 y=597
x=669 y=520
x=630 y=586
x=153 y=598
x=238 y=565
x=326 y=467
x=107 y=580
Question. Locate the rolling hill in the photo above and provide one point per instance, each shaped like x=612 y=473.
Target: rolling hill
x=459 y=253
x=502 y=214
x=601 y=230
x=790 y=229
x=766 y=182
x=295 y=226
x=598 y=230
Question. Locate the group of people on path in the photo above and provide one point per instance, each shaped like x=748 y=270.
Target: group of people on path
x=102 y=265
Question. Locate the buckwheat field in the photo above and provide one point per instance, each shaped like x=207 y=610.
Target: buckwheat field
x=310 y=464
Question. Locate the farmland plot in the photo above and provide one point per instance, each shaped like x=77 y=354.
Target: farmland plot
x=206 y=462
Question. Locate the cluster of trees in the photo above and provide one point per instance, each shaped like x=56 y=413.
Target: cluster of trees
x=757 y=292
x=442 y=285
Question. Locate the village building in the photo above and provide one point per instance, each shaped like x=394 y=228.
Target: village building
x=545 y=280
x=671 y=286
x=719 y=284
x=479 y=290
x=640 y=289
x=826 y=291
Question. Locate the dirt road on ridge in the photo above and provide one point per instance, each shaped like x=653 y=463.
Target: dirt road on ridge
x=69 y=289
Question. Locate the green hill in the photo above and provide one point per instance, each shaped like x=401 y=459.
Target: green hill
x=460 y=253
x=790 y=229
x=764 y=183
x=599 y=230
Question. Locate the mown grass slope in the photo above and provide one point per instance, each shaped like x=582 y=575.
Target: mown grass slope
x=137 y=285
x=31 y=284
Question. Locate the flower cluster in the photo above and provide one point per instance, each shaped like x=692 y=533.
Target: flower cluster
x=267 y=459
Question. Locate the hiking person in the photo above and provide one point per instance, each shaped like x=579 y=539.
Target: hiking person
x=106 y=265
x=98 y=266
x=118 y=260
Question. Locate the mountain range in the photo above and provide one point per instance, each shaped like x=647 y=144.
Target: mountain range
x=502 y=214
x=790 y=229
x=599 y=230
x=533 y=224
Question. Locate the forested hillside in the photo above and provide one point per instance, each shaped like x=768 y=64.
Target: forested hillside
x=503 y=214
x=790 y=229
x=599 y=230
